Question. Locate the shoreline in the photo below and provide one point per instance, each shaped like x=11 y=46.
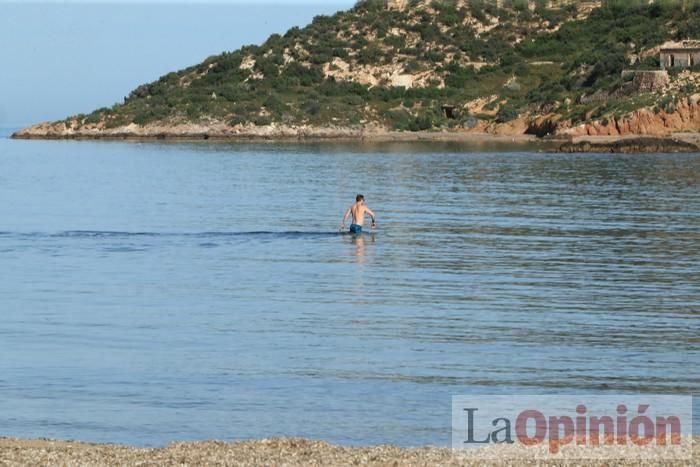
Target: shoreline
x=305 y=452
x=633 y=143
x=373 y=137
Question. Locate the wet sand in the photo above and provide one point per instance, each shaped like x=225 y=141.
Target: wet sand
x=292 y=452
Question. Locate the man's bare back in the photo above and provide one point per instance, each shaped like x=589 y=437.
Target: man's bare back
x=358 y=211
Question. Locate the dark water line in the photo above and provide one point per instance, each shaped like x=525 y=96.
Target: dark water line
x=79 y=234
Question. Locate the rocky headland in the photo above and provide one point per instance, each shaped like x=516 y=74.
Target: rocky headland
x=428 y=70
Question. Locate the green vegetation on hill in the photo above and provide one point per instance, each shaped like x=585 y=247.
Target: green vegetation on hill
x=339 y=69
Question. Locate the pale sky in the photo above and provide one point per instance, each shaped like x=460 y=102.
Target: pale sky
x=191 y=2
x=59 y=58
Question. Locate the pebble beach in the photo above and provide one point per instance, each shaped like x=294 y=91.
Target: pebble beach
x=301 y=452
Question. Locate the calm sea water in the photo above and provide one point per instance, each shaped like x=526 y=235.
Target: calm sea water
x=160 y=292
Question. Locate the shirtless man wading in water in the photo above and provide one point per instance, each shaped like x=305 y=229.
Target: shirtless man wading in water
x=358 y=211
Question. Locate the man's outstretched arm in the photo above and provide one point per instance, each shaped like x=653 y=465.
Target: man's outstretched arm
x=345 y=217
x=371 y=214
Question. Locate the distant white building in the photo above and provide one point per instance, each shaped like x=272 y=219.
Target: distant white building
x=684 y=54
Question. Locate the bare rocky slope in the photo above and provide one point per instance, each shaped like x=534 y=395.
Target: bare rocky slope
x=684 y=117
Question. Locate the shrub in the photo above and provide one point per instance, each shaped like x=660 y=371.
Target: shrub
x=421 y=123
x=237 y=120
x=274 y=105
x=396 y=42
x=369 y=55
x=506 y=113
x=610 y=65
x=399 y=119
x=312 y=107
x=262 y=120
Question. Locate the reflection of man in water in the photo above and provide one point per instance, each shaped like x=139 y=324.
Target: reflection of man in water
x=358 y=211
x=360 y=244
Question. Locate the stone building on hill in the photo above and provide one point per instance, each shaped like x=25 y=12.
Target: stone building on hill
x=684 y=54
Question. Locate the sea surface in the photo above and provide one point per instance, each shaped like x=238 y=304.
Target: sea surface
x=153 y=292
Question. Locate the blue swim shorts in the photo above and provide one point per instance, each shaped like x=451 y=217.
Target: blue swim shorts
x=355 y=229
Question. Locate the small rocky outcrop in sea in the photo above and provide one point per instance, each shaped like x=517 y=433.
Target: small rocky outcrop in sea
x=630 y=145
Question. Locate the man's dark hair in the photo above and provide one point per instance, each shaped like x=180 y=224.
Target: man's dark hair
x=359 y=198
